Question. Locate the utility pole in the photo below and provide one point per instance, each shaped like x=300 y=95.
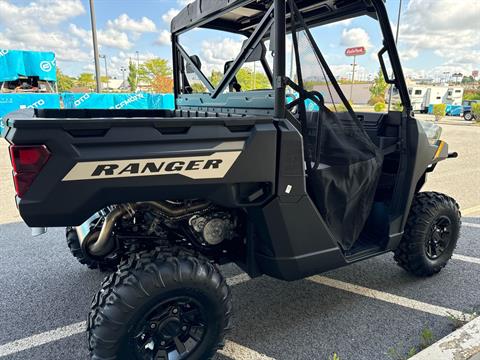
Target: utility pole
x=95 y=46
x=104 y=57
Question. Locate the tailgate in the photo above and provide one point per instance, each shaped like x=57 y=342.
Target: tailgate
x=103 y=157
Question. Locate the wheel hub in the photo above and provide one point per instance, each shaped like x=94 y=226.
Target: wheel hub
x=170 y=328
x=439 y=237
x=175 y=327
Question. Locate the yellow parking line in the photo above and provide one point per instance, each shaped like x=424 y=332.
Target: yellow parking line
x=471 y=211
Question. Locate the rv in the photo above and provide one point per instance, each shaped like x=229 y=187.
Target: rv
x=423 y=96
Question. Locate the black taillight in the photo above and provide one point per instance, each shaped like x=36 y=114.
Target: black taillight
x=27 y=162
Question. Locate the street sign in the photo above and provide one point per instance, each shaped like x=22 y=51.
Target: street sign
x=355 y=51
x=475 y=74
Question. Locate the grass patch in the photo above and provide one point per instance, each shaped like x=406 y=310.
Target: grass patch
x=426 y=338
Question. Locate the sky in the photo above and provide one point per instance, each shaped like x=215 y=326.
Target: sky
x=436 y=36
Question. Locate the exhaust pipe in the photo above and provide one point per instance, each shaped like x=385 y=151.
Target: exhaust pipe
x=100 y=243
x=103 y=245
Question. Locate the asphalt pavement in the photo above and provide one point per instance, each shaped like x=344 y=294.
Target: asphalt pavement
x=369 y=310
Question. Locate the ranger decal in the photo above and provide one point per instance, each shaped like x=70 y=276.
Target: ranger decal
x=212 y=166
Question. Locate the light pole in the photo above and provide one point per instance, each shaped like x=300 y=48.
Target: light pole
x=138 y=67
x=95 y=46
x=353 y=76
x=104 y=57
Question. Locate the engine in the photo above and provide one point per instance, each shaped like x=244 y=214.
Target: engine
x=136 y=226
x=214 y=228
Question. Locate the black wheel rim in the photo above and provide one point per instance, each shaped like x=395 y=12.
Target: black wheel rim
x=439 y=237
x=172 y=330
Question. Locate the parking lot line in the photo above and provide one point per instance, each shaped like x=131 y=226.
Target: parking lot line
x=42 y=339
x=237 y=279
x=237 y=351
x=470 y=224
x=233 y=349
x=387 y=297
x=471 y=210
x=466 y=258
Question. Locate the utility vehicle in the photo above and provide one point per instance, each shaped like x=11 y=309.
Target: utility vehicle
x=467 y=109
x=231 y=176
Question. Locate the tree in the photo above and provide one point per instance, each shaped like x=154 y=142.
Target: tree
x=162 y=84
x=64 y=82
x=378 y=88
x=215 y=77
x=104 y=80
x=132 y=76
x=250 y=81
x=150 y=69
x=86 y=80
x=468 y=79
x=198 y=88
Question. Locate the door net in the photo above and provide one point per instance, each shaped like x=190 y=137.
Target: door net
x=343 y=164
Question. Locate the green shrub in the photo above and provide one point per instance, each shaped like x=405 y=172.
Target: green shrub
x=398 y=106
x=376 y=99
x=439 y=110
x=471 y=95
x=379 y=107
x=476 y=111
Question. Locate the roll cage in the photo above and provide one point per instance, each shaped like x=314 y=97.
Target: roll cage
x=271 y=20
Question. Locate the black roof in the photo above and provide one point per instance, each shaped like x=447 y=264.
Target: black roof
x=241 y=16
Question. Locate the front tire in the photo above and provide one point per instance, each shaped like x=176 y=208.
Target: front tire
x=468 y=116
x=160 y=304
x=431 y=234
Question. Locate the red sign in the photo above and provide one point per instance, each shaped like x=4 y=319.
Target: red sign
x=355 y=51
x=475 y=73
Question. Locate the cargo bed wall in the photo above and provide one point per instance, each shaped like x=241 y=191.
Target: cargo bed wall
x=107 y=160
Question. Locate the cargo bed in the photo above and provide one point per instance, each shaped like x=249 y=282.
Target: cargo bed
x=102 y=157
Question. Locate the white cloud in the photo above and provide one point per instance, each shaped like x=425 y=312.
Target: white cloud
x=109 y=37
x=47 y=12
x=214 y=54
x=184 y=2
x=164 y=39
x=125 y=23
x=35 y=27
x=114 y=39
x=447 y=27
x=408 y=54
x=345 y=22
x=169 y=15
x=355 y=37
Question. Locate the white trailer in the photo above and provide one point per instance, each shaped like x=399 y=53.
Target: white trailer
x=423 y=96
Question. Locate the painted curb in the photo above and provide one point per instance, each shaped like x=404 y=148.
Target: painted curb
x=462 y=344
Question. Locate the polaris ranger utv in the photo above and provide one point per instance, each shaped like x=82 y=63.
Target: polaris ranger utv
x=286 y=182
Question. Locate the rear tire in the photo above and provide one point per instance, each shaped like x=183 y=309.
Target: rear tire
x=431 y=234
x=78 y=253
x=158 y=303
